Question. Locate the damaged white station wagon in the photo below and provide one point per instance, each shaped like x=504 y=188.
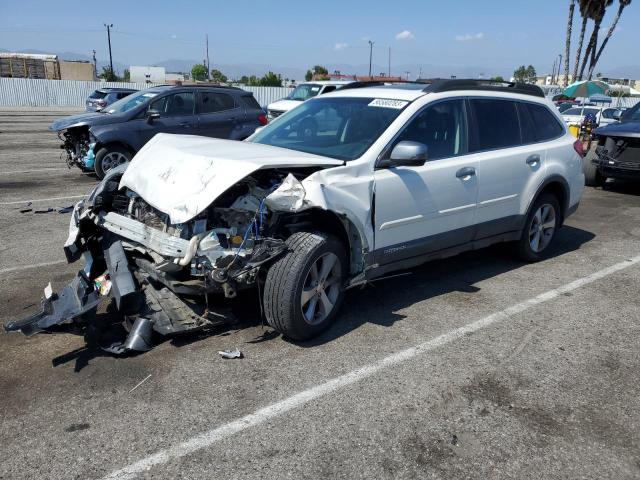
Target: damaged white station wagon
x=339 y=191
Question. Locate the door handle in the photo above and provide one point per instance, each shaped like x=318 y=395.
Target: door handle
x=533 y=159
x=466 y=172
x=184 y=124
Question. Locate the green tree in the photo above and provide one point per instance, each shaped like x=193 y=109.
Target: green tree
x=126 y=75
x=108 y=75
x=199 y=72
x=270 y=79
x=308 y=76
x=498 y=79
x=218 y=77
x=525 y=74
x=244 y=80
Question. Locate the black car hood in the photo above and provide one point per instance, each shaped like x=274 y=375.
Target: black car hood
x=89 y=119
x=625 y=129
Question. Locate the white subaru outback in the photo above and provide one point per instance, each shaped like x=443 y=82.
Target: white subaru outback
x=339 y=191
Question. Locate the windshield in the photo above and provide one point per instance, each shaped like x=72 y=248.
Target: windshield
x=632 y=115
x=338 y=127
x=129 y=102
x=304 y=92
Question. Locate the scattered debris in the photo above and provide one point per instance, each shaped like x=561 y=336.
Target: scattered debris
x=76 y=427
x=454 y=440
x=144 y=380
x=103 y=284
x=28 y=209
x=68 y=209
x=48 y=210
x=231 y=354
x=25 y=210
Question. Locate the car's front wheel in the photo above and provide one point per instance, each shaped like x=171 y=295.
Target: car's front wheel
x=110 y=157
x=304 y=288
x=540 y=228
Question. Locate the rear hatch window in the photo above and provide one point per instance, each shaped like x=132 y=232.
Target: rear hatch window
x=98 y=95
x=250 y=102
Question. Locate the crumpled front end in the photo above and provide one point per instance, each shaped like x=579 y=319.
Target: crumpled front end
x=162 y=276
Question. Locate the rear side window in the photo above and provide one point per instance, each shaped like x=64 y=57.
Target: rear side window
x=546 y=124
x=328 y=88
x=250 y=102
x=97 y=95
x=211 y=102
x=496 y=124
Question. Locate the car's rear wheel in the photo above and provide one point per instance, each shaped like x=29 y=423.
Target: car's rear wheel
x=110 y=157
x=540 y=228
x=304 y=288
x=592 y=177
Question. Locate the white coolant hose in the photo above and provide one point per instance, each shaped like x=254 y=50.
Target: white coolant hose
x=191 y=250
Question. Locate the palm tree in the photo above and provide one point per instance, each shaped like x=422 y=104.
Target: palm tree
x=598 y=14
x=567 y=48
x=586 y=11
x=621 y=6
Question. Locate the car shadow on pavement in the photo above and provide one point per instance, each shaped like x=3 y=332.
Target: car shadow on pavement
x=380 y=302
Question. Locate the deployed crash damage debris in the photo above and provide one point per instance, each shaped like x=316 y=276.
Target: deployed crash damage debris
x=203 y=230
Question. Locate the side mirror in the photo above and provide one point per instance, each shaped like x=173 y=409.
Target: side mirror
x=617 y=115
x=406 y=154
x=152 y=115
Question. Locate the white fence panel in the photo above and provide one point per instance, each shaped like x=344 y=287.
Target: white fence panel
x=31 y=92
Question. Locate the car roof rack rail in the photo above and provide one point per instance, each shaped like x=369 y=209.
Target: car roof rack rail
x=363 y=84
x=448 y=85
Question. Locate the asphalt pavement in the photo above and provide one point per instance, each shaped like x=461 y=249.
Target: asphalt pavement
x=478 y=366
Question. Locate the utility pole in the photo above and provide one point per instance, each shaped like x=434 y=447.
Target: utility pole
x=407 y=72
x=389 y=72
x=553 y=69
x=208 y=64
x=109 y=27
x=370 y=56
x=559 y=63
x=95 y=65
x=420 y=74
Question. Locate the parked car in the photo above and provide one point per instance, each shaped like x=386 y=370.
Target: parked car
x=303 y=92
x=102 y=140
x=404 y=174
x=617 y=154
x=564 y=106
x=103 y=97
x=576 y=115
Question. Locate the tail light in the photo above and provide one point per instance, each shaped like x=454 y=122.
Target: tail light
x=262 y=118
x=577 y=146
x=102 y=103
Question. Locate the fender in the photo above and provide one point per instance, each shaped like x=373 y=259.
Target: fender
x=106 y=134
x=564 y=200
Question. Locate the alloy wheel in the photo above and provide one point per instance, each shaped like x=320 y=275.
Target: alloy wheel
x=321 y=289
x=112 y=159
x=543 y=225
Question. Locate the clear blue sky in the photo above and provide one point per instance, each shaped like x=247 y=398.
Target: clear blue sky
x=499 y=34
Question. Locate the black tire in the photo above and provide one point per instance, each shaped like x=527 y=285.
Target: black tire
x=592 y=177
x=286 y=280
x=102 y=164
x=524 y=247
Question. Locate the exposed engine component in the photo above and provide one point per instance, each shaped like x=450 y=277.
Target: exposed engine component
x=76 y=145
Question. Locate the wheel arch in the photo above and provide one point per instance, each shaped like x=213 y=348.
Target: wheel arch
x=340 y=226
x=557 y=186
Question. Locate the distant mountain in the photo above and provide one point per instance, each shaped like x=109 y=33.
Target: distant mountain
x=235 y=71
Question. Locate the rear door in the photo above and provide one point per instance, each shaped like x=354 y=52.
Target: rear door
x=177 y=115
x=218 y=114
x=509 y=158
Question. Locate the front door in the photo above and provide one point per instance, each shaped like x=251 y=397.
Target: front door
x=420 y=210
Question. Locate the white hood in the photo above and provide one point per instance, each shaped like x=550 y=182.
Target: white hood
x=181 y=175
x=284 y=105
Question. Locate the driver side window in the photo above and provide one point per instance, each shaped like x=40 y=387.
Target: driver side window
x=442 y=127
x=176 y=104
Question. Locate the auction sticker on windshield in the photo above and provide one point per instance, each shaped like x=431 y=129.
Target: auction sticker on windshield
x=388 y=103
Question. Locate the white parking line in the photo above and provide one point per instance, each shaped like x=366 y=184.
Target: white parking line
x=36 y=171
x=27 y=267
x=19 y=202
x=206 y=439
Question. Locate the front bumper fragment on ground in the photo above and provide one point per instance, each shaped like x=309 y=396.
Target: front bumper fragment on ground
x=77 y=298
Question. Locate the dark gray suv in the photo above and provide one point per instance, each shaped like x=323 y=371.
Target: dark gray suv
x=104 y=97
x=102 y=140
